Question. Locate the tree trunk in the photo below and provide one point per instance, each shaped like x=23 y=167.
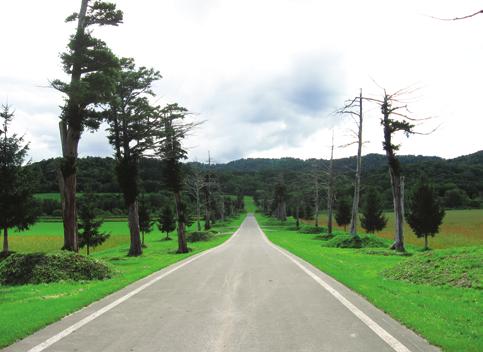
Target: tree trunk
x=198 y=211
x=316 y=202
x=330 y=190
x=133 y=219
x=395 y=174
x=182 y=245
x=68 y=184
x=357 y=183
x=5 y=240
x=297 y=214
x=142 y=239
x=70 y=133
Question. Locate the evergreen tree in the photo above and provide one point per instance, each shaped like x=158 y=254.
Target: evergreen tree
x=17 y=205
x=167 y=222
x=92 y=67
x=343 y=213
x=173 y=130
x=424 y=213
x=89 y=224
x=131 y=132
x=145 y=222
x=373 y=219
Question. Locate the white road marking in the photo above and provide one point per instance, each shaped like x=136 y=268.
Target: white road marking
x=395 y=344
x=49 y=342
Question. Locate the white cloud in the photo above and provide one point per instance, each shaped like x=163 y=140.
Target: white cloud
x=264 y=74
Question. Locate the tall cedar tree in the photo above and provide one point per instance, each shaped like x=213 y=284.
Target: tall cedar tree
x=17 y=205
x=92 y=67
x=89 y=224
x=424 y=213
x=132 y=133
x=280 y=202
x=173 y=130
x=145 y=222
x=343 y=213
x=372 y=219
x=167 y=222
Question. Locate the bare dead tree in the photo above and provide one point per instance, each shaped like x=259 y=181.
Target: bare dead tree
x=395 y=118
x=195 y=184
x=459 y=18
x=330 y=189
x=350 y=109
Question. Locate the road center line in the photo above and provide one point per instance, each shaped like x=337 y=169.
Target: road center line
x=395 y=344
x=49 y=342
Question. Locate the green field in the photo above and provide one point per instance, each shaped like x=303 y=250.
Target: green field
x=449 y=317
x=25 y=309
x=460 y=228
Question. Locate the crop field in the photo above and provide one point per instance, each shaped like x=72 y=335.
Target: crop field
x=460 y=228
x=47 y=236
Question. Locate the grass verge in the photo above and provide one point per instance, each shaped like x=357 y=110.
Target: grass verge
x=449 y=317
x=26 y=309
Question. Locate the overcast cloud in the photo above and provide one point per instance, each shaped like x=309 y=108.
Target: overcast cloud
x=265 y=75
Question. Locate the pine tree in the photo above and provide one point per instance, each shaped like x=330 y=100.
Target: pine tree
x=92 y=67
x=17 y=204
x=173 y=130
x=89 y=224
x=373 y=219
x=131 y=132
x=424 y=213
x=145 y=222
x=167 y=222
x=343 y=213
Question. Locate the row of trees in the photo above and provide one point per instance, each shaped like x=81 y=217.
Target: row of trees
x=425 y=213
x=104 y=88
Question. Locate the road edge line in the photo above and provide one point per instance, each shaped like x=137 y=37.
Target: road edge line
x=66 y=332
x=394 y=343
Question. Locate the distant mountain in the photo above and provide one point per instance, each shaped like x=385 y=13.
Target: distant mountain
x=249 y=175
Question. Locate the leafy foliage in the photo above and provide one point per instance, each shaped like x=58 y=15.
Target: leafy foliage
x=198 y=236
x=17 y=205
x=89 y=224
x=167 y=221
x=372 y=219
x=424 y=213
x=343 y=212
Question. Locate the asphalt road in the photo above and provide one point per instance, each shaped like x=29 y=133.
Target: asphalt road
x=245 y=295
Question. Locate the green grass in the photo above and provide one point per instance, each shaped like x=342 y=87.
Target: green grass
x=460 y=228
x=449 y=317
x=25 y=309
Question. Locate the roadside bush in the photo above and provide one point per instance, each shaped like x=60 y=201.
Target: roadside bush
x=362 y=241
x=198 y=236
x=37 y=268
x=312 y=230
x=460 y=267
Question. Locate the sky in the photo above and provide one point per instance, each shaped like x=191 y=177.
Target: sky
x=265 y=76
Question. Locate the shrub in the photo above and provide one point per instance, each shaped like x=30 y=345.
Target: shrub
x=363 y=241
x=325 y=236
x=198 y=236
x=36 y=268
x=312 y=230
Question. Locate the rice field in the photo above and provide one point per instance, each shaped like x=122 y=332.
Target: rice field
x=460 y=228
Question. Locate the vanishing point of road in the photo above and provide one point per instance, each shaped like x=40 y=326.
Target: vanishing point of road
x=245 y=295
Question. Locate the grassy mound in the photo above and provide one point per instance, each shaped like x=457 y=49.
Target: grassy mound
x=198 y=236
x=460 y=267
x=324 y=237
x=385 y=252
x=362 y=241
x=37 y=268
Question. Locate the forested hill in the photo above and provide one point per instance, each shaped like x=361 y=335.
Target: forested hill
x=463 y=174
